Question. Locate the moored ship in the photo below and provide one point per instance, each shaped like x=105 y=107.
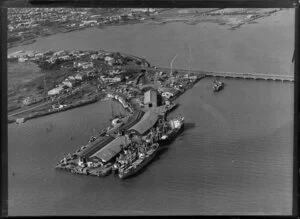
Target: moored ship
x=143 y=158
x=171 y=129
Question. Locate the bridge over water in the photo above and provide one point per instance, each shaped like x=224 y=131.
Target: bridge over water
x=253 y=76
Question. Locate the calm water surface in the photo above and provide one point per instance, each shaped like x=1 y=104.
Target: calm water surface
x=234 y=157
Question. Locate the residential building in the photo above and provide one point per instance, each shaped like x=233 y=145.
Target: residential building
x=109 y=60
x=69 y=83
x=55 y=91
x=80 y=76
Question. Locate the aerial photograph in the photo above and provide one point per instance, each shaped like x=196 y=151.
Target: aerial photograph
x=150 y=111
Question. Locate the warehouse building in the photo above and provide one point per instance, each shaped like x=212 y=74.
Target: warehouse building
x=148 y=120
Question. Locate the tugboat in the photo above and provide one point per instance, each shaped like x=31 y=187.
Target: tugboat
x=170 y=130
x=143 y=158
x=218 y=85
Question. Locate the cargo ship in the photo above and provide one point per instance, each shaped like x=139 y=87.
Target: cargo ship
x=171 y=129
x=218 y=85
x=128 y=155
x=142 y=160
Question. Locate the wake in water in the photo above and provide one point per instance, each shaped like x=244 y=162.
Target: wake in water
x=218 y=116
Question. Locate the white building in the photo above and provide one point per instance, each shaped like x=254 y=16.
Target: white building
x=60 y=53
x=55 y=91
x=22 y=59
x=109 y=60
x=39 y=55
x=80 y=76
x=69 y=83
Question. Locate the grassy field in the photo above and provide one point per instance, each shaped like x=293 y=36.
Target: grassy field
x=19 y=75
x=231 y=17
x=28 y=80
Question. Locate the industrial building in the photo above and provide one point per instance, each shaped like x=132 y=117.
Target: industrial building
x=150 y=98
x=112 y=149
x=148 y=120
x=94 y=146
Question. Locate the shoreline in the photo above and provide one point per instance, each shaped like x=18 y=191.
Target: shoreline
x=34 y=39
x=45 y=113
x=230 y=19
x=120 y=97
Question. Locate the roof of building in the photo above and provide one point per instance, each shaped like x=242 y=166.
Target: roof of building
x=55 y=90
x=97 y=144
x=147 y=122
x=111 y=149
x=171 y=90
x=150 y=97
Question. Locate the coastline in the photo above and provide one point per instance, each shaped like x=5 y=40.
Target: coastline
x=233 y=20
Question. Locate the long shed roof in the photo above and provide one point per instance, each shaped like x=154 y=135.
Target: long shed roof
x=95 y=145
x=147 y=122
x=111 y=149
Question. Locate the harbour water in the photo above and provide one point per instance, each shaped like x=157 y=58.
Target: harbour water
x=234 y=157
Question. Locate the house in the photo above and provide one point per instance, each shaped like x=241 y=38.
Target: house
x=55 y=91
x=69 y=83
x=66 y=57
x=51 y=60
x=109 y=60
x=60 y=53
x=94 y=56
x=71 y=77
x=84 y=65
x=80 y=76
x=39 y=55
x=23 y=59
x=110 y=80
x=87 y=65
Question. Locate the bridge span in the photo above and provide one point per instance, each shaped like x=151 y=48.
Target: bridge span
x=253 y=76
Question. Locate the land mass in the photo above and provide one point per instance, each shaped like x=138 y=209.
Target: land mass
x=75 y=78
x=25 y=25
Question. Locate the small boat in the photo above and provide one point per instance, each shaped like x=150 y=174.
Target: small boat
x=218 y=85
